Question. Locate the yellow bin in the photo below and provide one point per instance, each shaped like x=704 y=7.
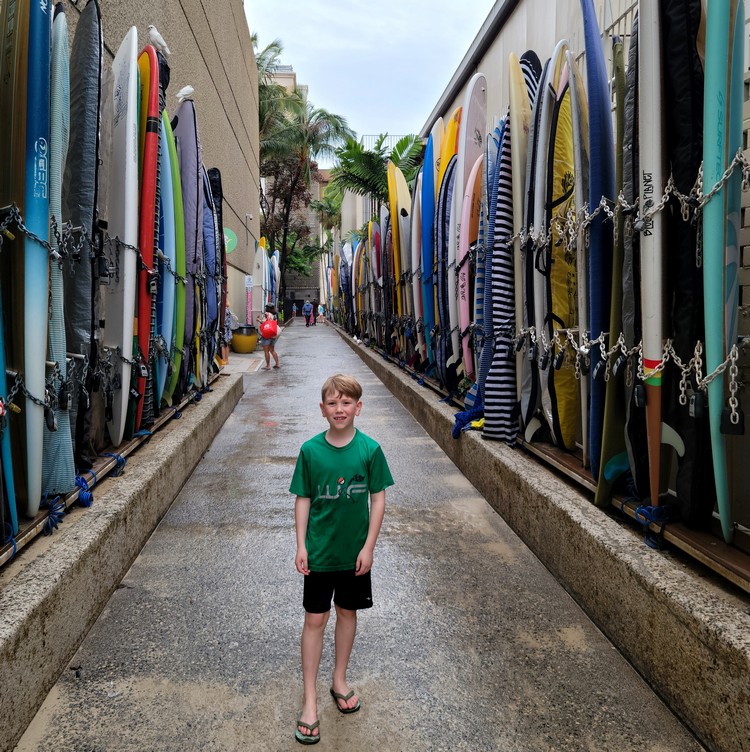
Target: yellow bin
x=244 y=339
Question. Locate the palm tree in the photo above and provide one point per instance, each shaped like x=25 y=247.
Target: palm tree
x=305 y=134
x=274 y=101
x=365 y=171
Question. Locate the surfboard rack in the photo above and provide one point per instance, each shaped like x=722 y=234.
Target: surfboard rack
x=732 y=563
x=109 y=463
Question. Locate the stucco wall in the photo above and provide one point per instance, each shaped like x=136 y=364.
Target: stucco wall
x=211 y=51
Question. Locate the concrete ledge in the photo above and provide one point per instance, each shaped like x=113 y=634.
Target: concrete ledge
x=51 y=595
x=689 y=641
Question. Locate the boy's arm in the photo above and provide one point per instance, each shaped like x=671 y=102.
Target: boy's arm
x=301 y=516
x=377 y=510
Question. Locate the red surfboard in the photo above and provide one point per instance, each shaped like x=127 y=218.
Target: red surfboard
x=148 y=228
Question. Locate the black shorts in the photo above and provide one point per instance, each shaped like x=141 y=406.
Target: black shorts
x=347 y=590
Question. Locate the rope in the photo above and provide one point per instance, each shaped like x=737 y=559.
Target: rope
x=56 y=512
x=647 y=515
x=9 y=539
x=86 y=496
x=120 y=463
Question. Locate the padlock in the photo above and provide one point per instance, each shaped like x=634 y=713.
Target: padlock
x=104 y=270
x=142 y=371
x=732 y=429
x=544 y=363
x=559 y=360
x=599 y=369
x=154 y=285
x=585 y=366
x=520 y=342
x=134 y=393
x=50 y=419
x=65 y=397
x=620 y=363
x=14 y=408
x=85 y=399
x=696 y=405
x=533 y=352
x=639 y=395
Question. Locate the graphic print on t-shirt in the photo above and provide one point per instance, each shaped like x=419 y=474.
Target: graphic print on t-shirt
x=355 y=486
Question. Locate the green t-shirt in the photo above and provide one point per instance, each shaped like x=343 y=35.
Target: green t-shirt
x=338 y=481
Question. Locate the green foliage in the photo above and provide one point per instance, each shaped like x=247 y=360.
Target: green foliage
x=365 y=171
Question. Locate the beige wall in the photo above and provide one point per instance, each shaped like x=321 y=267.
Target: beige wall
x=211 y=51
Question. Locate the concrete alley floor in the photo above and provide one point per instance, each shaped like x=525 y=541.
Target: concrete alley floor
x=471 y=645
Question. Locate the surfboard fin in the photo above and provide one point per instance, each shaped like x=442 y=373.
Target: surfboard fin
x=534 y=425
x=616 y=466
x=670 y=437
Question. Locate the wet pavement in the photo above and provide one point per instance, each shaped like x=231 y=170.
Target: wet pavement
x=472 y=645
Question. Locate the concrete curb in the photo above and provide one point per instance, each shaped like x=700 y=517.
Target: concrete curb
x=51 y=600
x=691 y=644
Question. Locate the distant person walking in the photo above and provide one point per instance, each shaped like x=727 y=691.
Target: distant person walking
x=294 y=310
x=307 y=310
x=313 y=318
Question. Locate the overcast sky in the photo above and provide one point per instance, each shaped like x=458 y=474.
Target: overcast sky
x=382 y=64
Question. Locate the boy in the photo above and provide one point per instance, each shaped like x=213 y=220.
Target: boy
x=335 y=474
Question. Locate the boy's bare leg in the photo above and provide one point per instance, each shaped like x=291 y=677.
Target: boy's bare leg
x=346 y=629
x=312 y=650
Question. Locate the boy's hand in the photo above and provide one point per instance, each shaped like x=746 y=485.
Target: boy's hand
x=300 y=561
x=364 y=562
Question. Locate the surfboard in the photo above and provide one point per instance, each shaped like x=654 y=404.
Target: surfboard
x=471 y=135
x=148 y=224
x=484 y=318
x=214 y=176
x=36 y=258
x=601 y=185
x=403 y=197
x=441 y=233
x=530 y=391
x=178 y=335
x=185 y=127
x=58 y=471
x=471 y=208
x=540 y=263
x=416 y=266
x=580 y=116
x=165 y=297
x=449 y=145
x=614 y=457
x=395 y=234
x=651 y=139
x=561 y=315
x=719 y=230
x=123 y=225
x=429 y=196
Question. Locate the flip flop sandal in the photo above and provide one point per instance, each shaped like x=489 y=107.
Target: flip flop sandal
x=338 y=696
x=306 y=738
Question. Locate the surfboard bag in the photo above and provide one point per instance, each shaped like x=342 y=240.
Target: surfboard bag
x=214 y=178
x=79 y=201
x=683 y=85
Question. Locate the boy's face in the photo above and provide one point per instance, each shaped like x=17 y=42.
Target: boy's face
x=340 y=411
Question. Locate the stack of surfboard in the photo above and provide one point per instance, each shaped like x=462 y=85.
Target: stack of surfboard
x=512 y=274
x=92 y=147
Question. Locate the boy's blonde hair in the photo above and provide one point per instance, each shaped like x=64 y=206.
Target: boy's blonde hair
x=346 y=386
